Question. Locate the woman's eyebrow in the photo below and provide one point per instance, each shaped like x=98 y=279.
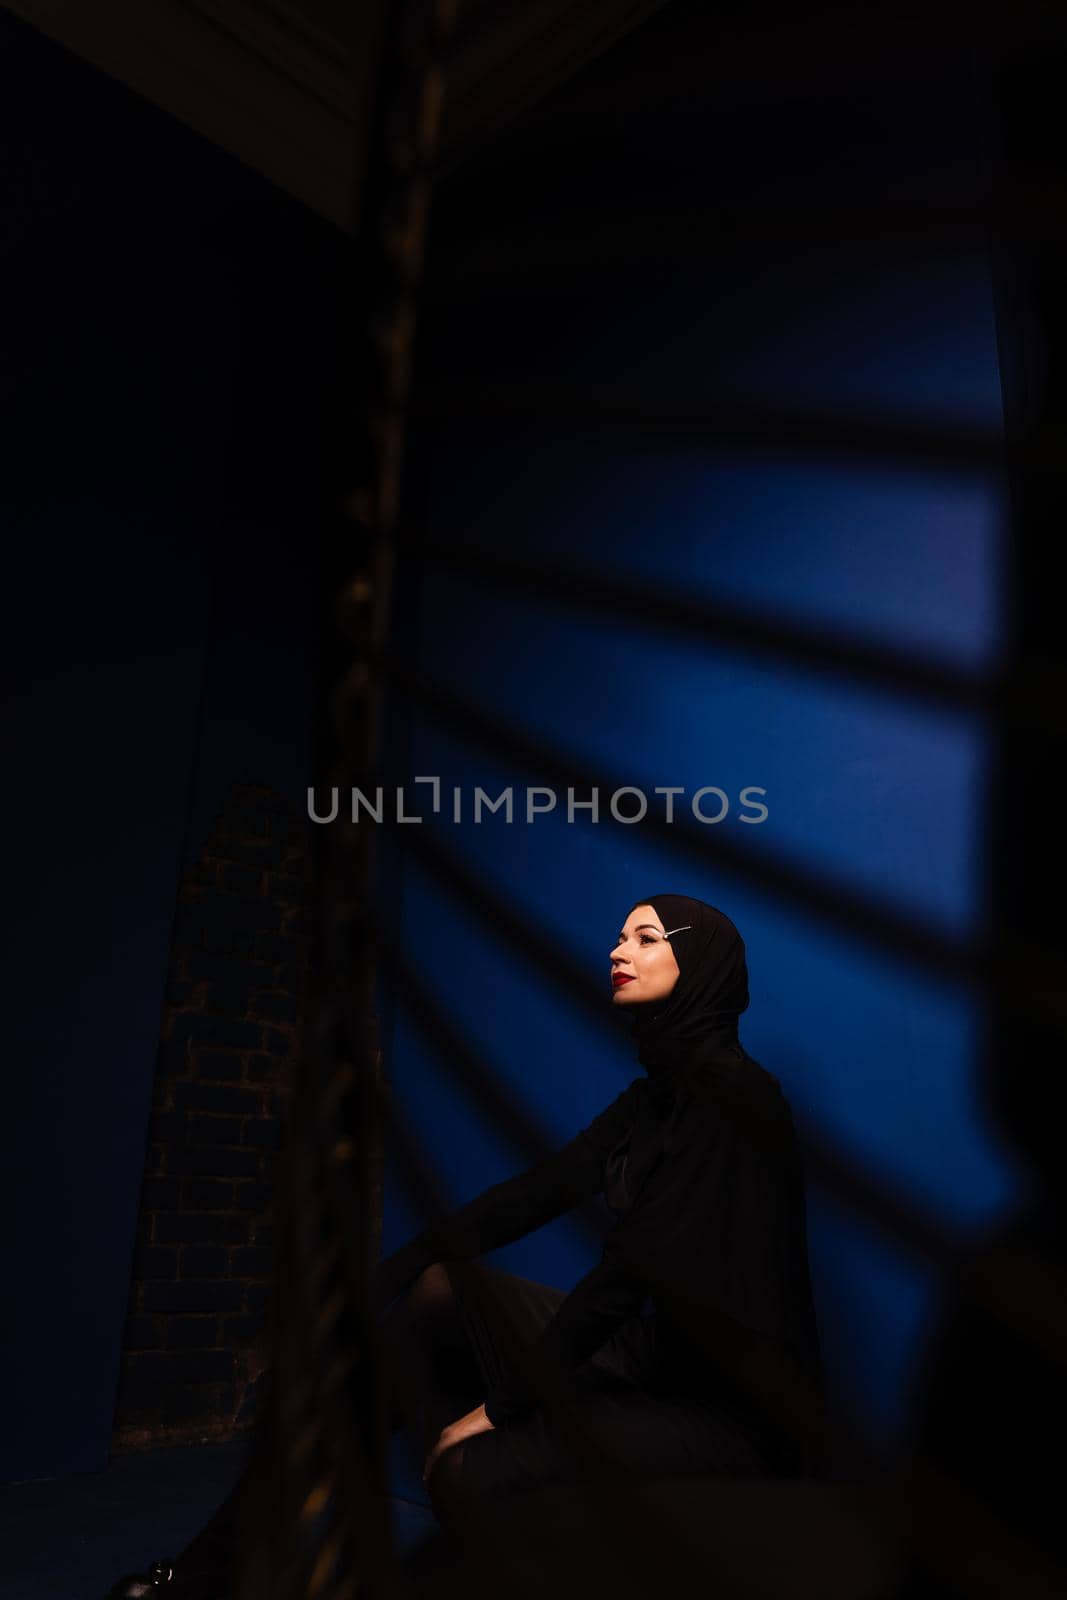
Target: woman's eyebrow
x=640 y=925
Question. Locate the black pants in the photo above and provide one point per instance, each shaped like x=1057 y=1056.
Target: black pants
x=465 y=1325
x=452 y=1341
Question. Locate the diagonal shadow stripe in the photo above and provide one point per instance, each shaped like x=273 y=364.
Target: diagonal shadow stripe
x=849 y=658
x=737 y=425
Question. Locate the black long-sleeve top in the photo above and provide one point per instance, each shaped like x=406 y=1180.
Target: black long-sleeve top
x=705 y=1172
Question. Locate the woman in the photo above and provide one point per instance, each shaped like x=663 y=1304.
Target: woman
x=682 y=1349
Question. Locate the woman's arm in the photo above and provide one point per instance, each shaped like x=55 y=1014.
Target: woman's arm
x=457 y=1432
x=510 y=1210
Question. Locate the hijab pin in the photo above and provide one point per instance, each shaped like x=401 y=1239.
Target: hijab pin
x=683 y=929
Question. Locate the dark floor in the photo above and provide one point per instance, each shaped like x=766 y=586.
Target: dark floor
x=70 y=1538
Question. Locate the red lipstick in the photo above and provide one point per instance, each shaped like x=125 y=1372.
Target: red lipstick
x=619 y=978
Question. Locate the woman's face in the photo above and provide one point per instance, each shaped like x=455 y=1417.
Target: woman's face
x=643 y=966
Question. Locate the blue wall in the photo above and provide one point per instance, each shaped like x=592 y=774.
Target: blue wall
x=865 y=787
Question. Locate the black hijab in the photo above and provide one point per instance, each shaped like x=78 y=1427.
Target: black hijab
x=700 y=1014
x=687 y=1042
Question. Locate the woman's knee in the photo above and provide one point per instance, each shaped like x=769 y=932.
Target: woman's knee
x=424 y=1344
x=439 y=1286
x=431 y=1287
x=407 y=1326
x=427 y=1299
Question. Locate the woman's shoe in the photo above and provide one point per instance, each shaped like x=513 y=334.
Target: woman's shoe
x=205 y=1583
x=143 y=1584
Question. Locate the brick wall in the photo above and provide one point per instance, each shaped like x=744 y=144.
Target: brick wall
x=202 y=1269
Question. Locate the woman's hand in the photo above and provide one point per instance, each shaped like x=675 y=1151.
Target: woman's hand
x=466 y=1427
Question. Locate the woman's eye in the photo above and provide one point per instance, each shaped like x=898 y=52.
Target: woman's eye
x=648 y=938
